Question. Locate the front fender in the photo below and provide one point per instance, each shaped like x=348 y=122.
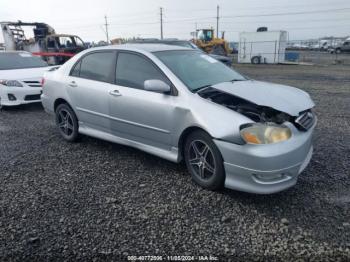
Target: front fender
x=218 y=121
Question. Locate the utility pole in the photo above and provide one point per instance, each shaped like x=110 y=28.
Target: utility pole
x=217 y=21
x=161 y=23
x=106 y=25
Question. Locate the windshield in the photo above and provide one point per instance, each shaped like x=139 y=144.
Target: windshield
x=10 y=61
x=196 y=69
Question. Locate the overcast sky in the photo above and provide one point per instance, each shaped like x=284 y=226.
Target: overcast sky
x=127 y=18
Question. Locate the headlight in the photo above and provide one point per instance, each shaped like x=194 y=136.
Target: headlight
x=10 y=83
x=265 y=133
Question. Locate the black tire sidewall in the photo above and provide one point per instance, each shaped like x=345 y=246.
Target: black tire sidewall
x=255 y=60
x=217 y=180
x=73 y=137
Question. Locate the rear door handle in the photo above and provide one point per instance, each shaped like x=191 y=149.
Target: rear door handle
x=115 y=93
x=73 y=84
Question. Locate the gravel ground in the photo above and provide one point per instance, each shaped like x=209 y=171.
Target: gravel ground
x=94 y=200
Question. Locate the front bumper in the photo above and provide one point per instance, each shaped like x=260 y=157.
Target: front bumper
x=20 y=95
x=266 y=169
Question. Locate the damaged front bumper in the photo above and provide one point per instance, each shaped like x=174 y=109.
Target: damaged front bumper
x=266 y=169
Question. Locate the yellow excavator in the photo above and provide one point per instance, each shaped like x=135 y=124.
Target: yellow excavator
x=205 y=40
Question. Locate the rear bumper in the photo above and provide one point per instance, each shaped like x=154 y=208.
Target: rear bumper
x=266 y=169
x=47 y=104
x=19 y=95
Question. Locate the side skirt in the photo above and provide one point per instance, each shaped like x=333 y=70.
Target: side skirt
x=171 y=155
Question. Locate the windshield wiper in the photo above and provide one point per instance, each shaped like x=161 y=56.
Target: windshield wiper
x=200 y=88
x=206 y=86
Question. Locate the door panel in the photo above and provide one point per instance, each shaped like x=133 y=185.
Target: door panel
x=142 y=116
x=88 y=86
x=136 y=114
x=90 y=100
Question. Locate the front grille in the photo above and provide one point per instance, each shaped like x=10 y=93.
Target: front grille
x=31 y=97
x=305 y=120
x=33 y=83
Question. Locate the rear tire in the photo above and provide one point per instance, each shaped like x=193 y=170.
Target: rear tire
x=204 y=161
x=67 y=122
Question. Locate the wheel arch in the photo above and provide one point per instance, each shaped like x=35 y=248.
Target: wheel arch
x=60 y=101
x=185 y=133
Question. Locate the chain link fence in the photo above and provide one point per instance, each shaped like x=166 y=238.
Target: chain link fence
x=320 y=52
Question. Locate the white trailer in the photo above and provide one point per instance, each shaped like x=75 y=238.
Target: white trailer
x=262 y=47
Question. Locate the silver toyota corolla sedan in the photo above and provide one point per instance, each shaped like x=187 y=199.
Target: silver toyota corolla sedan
x=181 y=104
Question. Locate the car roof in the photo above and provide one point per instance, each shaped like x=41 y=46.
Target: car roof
x=143 y=47
x=155 y=41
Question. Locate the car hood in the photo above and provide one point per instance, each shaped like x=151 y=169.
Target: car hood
x=283 y=98
x=24 y=74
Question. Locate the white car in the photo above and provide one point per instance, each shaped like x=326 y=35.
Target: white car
x=20 y=78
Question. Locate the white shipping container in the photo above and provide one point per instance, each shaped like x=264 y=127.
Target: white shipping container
x=269 y=46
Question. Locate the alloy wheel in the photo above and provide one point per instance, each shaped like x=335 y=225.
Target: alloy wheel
x=201 y=159
x=65 y=122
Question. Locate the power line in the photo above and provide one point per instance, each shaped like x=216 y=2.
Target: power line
x=122 y=16
x=190 y=19
x=145 y=23
x=262 y=15
x=226 y=17
x=288 y=21
x=290 y=13
x=261 y=7
x=95 y=26
x=218 y=17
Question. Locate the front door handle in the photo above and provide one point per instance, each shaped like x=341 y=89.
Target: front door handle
x=73 y=84
x=115 y=93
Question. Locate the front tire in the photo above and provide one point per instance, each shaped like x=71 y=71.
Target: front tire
x=204 y=161
x=67 y=122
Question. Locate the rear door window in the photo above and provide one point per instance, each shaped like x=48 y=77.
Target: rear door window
x=98 y=66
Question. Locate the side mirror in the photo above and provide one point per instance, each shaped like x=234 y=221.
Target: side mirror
x=156 y=85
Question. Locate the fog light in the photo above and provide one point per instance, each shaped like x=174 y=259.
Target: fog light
x=11 y=97
x=269 y=177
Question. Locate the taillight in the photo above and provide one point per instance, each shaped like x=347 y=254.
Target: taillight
x=42 y=81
